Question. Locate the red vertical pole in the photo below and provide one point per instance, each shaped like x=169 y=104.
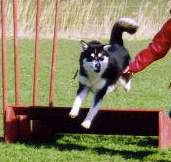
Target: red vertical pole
x=16 y=55
x=37 y=46
x=39 y=128
x=164 y=130
x=23 y=123
x=4 y=79
x=9 y=118
x=54 y=53
x=36 y=124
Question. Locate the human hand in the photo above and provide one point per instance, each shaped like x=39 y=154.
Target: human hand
x=127 y=73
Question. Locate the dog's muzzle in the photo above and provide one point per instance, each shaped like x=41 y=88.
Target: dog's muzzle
x=97 y=67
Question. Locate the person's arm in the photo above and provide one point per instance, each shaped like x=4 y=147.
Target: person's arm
x=157 y=49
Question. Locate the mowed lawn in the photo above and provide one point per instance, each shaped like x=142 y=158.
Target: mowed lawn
x=149 y=90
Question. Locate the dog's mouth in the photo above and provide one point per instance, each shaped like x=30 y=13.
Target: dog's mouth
x=97 y=70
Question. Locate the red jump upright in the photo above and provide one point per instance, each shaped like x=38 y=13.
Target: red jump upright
x=27 y=122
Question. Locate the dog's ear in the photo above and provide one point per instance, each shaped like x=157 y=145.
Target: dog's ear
x=83 y=46
x=106 y=47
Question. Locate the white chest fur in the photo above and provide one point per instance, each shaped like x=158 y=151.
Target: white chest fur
x=94 y=82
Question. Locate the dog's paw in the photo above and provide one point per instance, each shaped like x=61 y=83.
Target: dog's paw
x=111 y=88
x=127 y=87
x=86 y=124
x=73 y=114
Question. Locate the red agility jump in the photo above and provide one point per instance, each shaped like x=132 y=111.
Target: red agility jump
x=26 y=122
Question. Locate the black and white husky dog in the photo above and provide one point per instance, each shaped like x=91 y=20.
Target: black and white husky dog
x=101 y=67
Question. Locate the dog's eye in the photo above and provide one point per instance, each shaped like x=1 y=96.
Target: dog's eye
x=101 y=58
x=106 y=54
x=89 y=59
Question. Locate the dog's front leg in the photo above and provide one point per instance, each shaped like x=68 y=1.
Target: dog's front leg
x=98 y=98
x=81 y=94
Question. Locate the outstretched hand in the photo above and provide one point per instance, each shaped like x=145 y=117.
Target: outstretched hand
x=126 y=70
x=127 y=73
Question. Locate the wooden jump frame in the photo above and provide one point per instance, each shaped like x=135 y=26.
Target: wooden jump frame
x=26 y=122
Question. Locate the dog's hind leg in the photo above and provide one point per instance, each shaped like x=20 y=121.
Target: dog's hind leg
x=81 y=94
x=126 y=82
x=112 y=88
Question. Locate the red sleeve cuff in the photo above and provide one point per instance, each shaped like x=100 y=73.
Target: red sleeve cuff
x=142 y=60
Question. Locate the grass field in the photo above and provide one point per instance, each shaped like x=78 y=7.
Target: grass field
x=149 y=90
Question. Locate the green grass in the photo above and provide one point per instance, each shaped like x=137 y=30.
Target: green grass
x=149 y=90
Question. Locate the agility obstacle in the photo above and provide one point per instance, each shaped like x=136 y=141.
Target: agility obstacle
x=22 y=123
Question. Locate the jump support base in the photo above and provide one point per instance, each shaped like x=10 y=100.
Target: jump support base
x=25 y=122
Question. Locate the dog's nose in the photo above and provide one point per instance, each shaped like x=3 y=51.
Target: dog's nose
x=97 y=66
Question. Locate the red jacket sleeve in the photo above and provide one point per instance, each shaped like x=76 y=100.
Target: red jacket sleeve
x=157 y=49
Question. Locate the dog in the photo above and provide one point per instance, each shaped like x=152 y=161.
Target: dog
x=101 y=67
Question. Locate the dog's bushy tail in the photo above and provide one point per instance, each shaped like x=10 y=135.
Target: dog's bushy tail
x=122 y=25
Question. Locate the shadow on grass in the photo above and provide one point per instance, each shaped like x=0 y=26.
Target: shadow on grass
x=102 y=150
x=148 y=141
x=1 y=139
x=126 y=153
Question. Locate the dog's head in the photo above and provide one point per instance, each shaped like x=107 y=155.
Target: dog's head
x=93 y=56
